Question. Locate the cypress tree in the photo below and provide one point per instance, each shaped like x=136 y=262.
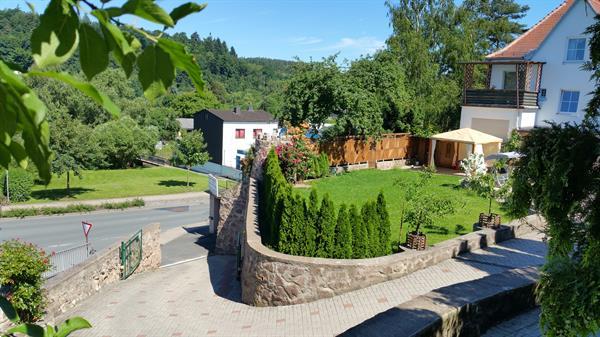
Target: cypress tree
x=372 y=229
x=384 y=226
x=343 y=235
x=310 y=224
x=299 y=224
x=326 y=228
x=286 y=229
x=360 y=241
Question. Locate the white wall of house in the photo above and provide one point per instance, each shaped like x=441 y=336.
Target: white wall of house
x=559 y=74
x=231 y=144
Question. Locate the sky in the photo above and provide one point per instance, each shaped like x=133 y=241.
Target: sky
x=285 y=29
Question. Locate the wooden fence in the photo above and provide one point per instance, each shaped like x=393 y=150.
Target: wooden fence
x=354 y=150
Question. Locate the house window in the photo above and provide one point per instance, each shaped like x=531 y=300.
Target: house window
x=569 y=101
x=240 y=133
x=510 y=80
x=576 y=49
x=256 y=133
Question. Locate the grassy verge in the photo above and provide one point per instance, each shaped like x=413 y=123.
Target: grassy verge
x=359 y=186
x=77 y=208
x=106 y=184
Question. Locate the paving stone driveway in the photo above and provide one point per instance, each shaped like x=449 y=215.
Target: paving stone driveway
x=202 y=298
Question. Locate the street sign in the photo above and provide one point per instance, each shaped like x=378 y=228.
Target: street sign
x=86 y=229
x=213 y=185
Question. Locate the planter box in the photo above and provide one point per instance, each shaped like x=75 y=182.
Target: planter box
x=416 y=241
x=492 y=220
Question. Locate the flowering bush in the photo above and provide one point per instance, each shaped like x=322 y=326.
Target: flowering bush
x=474 y=168
x=295 y=159
x=21 y=267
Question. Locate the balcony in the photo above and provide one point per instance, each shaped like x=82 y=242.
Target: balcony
x=500 y=98
x=496 y=83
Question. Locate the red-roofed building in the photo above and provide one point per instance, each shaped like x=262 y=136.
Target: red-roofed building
x=534 y=79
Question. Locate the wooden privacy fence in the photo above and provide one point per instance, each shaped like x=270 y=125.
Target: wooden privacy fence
x=391 y=146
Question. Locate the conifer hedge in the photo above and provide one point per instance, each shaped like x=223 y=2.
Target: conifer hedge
x=293 y=225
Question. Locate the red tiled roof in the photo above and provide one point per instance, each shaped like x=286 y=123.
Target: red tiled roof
x=532 y=39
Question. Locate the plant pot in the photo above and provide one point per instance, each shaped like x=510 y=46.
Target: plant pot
x=491 y=220
x=416 y=241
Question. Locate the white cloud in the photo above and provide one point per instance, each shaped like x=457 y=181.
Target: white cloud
x=305 y=40
x=364 y=45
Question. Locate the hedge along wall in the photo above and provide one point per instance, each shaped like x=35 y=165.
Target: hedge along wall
x=291 y=225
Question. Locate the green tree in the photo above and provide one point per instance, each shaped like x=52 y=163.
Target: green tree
x=343 y=234
x=60 y=33
x=190 y=150
x=313 y=93
x=371 y=219
x=286 y=229
x=123 y=142
x=559 y=176
x=498 y=22
x=73 y=146
x=326 y=228
x=298 y=230
x=384 y=226
x=189 y=103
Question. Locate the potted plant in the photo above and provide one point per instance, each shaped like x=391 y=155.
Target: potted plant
x=422 y=207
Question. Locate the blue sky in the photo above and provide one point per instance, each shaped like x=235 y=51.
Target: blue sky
x=285 y=29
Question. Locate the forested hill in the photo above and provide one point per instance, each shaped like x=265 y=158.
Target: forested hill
x=233 y=80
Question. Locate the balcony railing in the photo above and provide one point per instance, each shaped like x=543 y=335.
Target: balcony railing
x=500 y=98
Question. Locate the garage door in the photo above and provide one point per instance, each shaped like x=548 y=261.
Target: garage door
x=494 y=127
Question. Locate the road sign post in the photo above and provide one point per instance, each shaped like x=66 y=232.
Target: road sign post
x=87 y=226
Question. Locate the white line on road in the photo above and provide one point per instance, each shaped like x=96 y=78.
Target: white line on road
x=183 y=261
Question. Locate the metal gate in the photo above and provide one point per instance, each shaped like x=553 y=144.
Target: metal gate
x=131 y=255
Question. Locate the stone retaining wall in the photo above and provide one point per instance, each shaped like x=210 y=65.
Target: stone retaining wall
x=270 y=278
x=67 y=289
x=231 y=219
x=465 y=309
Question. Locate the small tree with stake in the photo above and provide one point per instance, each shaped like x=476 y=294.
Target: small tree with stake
x=485 y=186
x=190 y=150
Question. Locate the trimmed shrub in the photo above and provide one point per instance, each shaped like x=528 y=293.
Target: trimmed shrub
x=312 y=213
x=323 y=162
x=21 y=268
x=299 y=226
x=286 y=236
x=385 y=244
x=20 y=183
x=343 y=235
x=326 y=228
x=360 y=241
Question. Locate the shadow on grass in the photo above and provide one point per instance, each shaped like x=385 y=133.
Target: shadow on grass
x=59 y=193
x=175 y=183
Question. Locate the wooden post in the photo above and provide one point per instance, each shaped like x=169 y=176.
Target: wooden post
x=517 y=75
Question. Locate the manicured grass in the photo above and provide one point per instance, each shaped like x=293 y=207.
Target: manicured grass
x=103 y=184
x=360 y=186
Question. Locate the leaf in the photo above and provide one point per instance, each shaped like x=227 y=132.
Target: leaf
x=55 y=39
x=93 y=52
x=25 y=112
x=184 y=10
x=85 y=88
x=31 y=330
x=117 y=42
x=145 y=9
x=8 y=310
x=156 y=71
x=72 y=324
x=184 y=61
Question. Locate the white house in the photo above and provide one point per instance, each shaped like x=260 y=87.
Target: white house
x=536 y=78
x=230 y=133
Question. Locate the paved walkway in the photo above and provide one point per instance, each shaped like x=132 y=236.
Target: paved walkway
x=202 y=298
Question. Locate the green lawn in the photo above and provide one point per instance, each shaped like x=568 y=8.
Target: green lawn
x=359 y=186
x=102 y=184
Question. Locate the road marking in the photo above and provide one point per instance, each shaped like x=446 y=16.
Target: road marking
x=183 y=261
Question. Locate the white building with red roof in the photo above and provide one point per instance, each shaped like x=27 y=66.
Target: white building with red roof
x=536 y=78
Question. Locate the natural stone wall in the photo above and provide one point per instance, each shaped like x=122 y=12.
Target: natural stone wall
x=270 y=278
x=67 y=289
x=232 y=217
x=464 y=309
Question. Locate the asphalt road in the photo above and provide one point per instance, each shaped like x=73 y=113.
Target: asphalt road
x=56 y=233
